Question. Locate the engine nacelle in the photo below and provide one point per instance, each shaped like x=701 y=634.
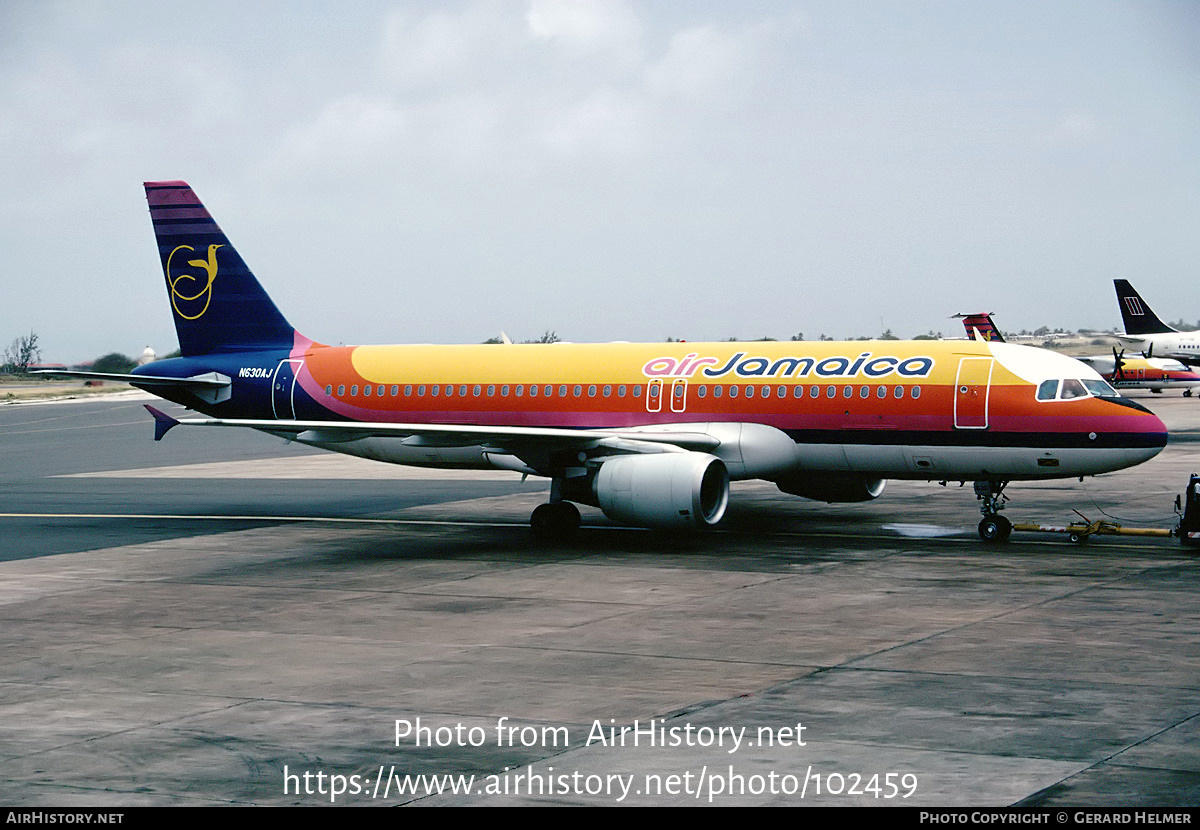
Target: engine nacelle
x=670 y=489
x=833 y=487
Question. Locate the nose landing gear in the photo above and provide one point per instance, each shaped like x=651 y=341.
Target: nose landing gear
x=993 y=528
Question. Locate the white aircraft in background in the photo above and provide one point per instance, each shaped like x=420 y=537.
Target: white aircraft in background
x=1120 y=370
x=1150 y=335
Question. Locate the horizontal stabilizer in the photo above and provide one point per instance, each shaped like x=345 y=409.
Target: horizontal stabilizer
x=210 y=381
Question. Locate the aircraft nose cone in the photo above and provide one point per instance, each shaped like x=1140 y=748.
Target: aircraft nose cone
x=1142 y=432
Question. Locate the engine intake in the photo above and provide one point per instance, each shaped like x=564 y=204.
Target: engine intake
x=671 y=489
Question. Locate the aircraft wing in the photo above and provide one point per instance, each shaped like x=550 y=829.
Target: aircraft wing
x=501 y=438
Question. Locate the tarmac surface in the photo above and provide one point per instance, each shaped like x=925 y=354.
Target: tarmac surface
x=224 y=619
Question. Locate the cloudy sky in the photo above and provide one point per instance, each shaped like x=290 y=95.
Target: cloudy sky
x=438 y=172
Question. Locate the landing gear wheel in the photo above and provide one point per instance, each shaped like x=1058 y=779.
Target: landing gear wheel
x=555 y=520
x=995 y=529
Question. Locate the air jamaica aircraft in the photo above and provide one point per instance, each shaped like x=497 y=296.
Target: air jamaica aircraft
x=650 y=433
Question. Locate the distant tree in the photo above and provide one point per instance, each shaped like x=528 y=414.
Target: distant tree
x=824 y=337
x=547 y=337
x=766 y=339
x=492 y=341
x=114 y=362
x=21 y=354
x=888 y=335
x=798 y=336
x=930 y=336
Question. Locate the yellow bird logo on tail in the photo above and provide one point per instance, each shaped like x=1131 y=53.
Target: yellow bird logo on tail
x=208 y=265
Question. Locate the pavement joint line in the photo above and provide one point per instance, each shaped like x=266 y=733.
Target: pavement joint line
x=960 y=536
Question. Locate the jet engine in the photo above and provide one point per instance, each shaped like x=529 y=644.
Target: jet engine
x=833 y=487
x=670 y=489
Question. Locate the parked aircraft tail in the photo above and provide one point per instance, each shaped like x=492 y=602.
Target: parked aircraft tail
x=981 y=327
x=217 y=303
x=1138 y=317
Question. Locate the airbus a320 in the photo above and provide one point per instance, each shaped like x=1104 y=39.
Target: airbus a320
x=652 y=434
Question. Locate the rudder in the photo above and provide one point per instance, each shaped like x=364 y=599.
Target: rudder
x=217 y=303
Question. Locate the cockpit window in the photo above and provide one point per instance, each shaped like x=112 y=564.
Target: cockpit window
x=1072 y=388
x=1100 y=389
x=1048 y=390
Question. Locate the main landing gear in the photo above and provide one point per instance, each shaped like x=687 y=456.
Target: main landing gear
x=993 y=528
x=556 y=519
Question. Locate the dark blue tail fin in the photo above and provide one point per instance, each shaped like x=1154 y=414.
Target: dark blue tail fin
x=1138 y=317
x=217 y=303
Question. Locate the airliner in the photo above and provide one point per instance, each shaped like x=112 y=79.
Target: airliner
x=1150 y=335
x=652 y=434
x=1157 y=374
x=1120 y=370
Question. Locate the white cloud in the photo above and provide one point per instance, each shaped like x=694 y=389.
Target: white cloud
x=586 y=27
